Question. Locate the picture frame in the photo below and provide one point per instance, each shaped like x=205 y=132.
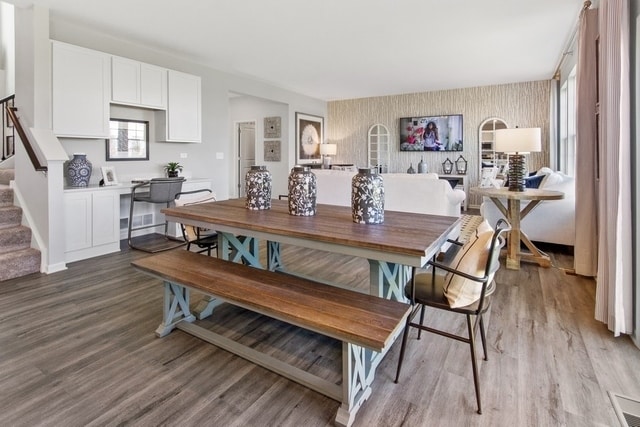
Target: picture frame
x=128 y=140
x=309 y=136
x=109 y=175
x=272 y=126
x=272 y=151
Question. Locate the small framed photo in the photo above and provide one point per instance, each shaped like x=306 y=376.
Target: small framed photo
x=309 y=136
x=109 y=175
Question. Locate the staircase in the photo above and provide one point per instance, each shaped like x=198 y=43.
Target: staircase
x=17 y=258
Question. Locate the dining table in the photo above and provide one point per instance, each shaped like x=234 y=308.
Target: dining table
x=404 y=240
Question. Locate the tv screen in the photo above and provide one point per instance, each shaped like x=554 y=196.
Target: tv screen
x=431 y=133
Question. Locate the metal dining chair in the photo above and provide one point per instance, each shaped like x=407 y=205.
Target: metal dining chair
x=156 y=190
x=465 y=289
x=203 y=238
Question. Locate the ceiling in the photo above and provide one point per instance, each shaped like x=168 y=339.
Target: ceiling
x=343 y=49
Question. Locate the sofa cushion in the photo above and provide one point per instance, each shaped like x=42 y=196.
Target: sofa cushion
x=534 y=181
x=471 y=259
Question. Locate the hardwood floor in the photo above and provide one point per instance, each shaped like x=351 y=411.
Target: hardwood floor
x=78 y=348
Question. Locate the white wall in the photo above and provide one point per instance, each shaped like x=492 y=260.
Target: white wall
x=216 y=116
x=245 y=108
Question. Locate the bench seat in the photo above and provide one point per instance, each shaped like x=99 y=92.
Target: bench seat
x=366 y=324
x=346 y=315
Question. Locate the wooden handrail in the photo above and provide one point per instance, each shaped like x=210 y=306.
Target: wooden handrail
x=11 y=111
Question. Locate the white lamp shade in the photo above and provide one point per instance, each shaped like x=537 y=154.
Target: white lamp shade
x=328 y=149
x=518 y=140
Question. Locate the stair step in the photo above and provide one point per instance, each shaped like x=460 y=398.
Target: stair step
x=6 y=196
x=14 y=239
x=6 y=176
x=10 y=216
x=19 y=263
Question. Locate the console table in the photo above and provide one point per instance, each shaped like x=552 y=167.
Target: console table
x=460 y=181
x=515 y=215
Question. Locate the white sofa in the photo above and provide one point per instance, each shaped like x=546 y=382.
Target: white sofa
x=418 y=193
x=552 y=221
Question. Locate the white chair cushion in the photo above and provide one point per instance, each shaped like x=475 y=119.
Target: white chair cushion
x=471 y=259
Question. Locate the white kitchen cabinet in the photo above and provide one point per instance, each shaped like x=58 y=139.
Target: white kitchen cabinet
x=81 y=86
x=182 y=121
x=92 y=223
x=138 y=84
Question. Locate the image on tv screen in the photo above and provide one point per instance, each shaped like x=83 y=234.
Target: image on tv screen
x=431 y=133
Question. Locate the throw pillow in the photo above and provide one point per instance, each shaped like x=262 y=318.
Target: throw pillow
x=471 y=259
x=534 y=181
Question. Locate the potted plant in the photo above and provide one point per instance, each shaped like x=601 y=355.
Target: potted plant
x=172 y=169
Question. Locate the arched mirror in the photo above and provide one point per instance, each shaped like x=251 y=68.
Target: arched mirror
x=488 y=156
x=378 y=148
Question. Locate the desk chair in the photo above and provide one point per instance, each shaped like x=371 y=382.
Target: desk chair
x=203 y=238
x=465 y=289
x=157 y=190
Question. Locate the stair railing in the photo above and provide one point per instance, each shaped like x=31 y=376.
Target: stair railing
x=8 y=131
x=28 y=146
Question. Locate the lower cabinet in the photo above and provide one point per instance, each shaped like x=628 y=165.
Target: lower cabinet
x=91 y=223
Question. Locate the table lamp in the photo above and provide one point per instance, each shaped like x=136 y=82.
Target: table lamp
x=327 y=150
x=516 y=142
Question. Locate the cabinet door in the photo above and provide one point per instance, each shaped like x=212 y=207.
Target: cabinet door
x=153 y=86
x=81 y=86
x=106 y=217
x=125 y=80
x=77 y=221
x=183 y=107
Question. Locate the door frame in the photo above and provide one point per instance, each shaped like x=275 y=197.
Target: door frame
x=236 y=152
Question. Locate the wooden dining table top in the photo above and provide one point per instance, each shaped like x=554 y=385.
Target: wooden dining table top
x=407 y=234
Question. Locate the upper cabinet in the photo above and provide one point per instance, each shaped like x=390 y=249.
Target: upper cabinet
x=182 y=123
x=138 y=84
x=85 y=82
x=81 y=82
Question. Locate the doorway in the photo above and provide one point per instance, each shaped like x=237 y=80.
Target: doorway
x=246 y=149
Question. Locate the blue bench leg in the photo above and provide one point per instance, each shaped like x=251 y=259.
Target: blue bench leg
x=176 y=308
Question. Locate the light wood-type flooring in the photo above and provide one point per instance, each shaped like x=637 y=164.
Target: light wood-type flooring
x=77 y=348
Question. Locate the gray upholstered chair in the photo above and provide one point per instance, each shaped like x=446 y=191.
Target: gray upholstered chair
x=156 y=190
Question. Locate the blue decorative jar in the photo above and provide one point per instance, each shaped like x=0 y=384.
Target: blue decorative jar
x=302 y=191
x=258 y=186
x=79 y=170
x=367 y=197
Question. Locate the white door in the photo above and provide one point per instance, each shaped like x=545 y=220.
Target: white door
x=246 y=132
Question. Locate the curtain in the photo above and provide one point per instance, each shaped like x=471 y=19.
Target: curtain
x=586 y=245
x=614 y=294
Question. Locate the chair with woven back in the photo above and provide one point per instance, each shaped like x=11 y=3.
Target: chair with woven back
x=466 y=288
x=203 y=238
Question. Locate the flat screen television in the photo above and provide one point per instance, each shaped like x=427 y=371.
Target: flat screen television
x=431 y=133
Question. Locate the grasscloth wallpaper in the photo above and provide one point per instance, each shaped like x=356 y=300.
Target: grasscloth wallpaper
x=519 y=104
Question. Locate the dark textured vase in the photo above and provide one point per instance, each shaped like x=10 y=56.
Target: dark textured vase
x=302 y=191
x=79 y=170
x=367 y=197
x=258 y=186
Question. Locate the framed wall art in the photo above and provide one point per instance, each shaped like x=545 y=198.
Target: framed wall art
x=309 y=136
x=272 y=151
x=128 y=140
x=272 y=126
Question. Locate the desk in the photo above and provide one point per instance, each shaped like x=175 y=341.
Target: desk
x=515 y=215
x=403 y=241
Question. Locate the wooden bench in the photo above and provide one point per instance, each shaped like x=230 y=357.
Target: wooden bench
x=364 y=323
